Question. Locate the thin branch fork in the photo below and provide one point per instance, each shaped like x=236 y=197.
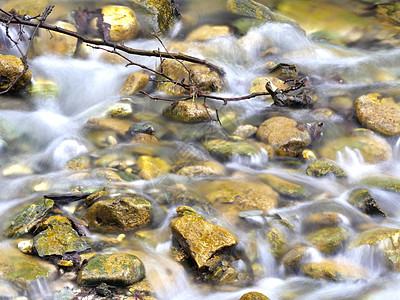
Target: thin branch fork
x=7 y=17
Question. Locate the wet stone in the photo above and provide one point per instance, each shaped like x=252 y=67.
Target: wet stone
x=186 y=112
x=285 y=135
x=29 y=217
x=320 y=168
x=333 y=271
x=119 y=214
x=201 y=239
x=10 y=68
x=380 y=114
x=120 y=269
x=283 y=187
x=207 y=32
x=363 y=200
x=254 y=296
x=135 y=82
x=328 y=239
x=59 y=238
x=377 y=235
x=245 y=131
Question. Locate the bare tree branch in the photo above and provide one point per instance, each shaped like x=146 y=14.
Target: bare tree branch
x=5 y=18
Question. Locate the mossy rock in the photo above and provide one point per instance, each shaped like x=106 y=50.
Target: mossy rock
x=333 y=271
x=277 y=242
x=291 y=260
x=363 y=200
x=321 y=167
x=253 y=296
x=285 y=135
x=382 y=181
x=121 y=269
x=380 y=114
x=29 y=217
x=329 y=239
x=283 y=187
x=120 y=214
x=10 y=68
x=208 y=168
x=58 y=238
x=161 y=15
x=373 y=148
x=201 y=239
x=224 y=149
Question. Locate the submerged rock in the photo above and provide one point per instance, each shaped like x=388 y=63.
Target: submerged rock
x=283 y=187
x=333 y=271
x=81 y=162
x=363 y=200
x=20 y=269
x=321 y=167
x=224 y=149
x=121 y=269
x=58 y=238
x=208 y=168
x=383 y=181
x=379 y=114
x=119 y=214
x=151 y=167
x=320 y=220
x=201 y=239
x=243 y=195
x=120 y=110
x=121 y=126
x=328 y=239
x=373 y=148
x=286 y=136
x=29 y=217
x=10 y=68
x=186 y=112
x=245 y=131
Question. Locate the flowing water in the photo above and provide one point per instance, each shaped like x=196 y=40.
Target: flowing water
x=42 y=134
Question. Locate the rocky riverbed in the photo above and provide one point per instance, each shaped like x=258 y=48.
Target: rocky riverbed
x=124 y=181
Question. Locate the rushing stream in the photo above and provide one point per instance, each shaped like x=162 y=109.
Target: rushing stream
x=41 y=133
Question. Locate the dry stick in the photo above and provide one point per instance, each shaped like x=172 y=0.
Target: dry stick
x=121 y=47
x=24 y=57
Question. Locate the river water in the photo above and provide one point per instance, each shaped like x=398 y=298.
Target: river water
x=42 y=134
